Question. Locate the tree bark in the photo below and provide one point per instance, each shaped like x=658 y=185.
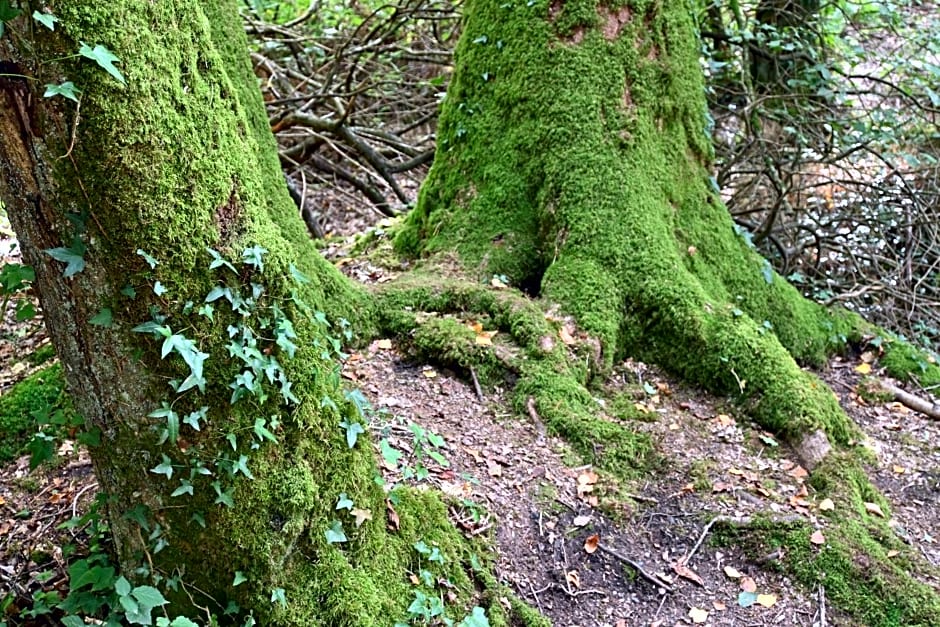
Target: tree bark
x=176 y=160
x=573 y=159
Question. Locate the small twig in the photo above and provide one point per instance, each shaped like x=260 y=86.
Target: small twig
x=640 y=497
x=476 y=385
x=90 y=486
x=538 y=601
x=822 y=606
x=653 y=579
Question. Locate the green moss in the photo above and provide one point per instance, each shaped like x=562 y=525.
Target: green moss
x=42 y=355
x=853 y=565
x=903 y=361
x=41 y=393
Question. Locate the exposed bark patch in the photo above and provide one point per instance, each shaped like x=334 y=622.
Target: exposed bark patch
x=555 y=9
x=613 y=21
x=227 y=217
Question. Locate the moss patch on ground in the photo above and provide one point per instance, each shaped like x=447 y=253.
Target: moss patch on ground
x=39 y=395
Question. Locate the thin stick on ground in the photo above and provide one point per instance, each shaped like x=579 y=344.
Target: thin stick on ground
x=653 y=579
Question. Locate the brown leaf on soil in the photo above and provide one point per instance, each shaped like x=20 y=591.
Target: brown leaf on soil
x=590 y=545
x=817 y=538
x=719 y=606
x=684 y=571
x=798 y=472
x=748 y=584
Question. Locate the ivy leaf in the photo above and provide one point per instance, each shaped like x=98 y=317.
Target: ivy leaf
x=254 y=256
x=344 y=502
x=476 y=619
x=7 y=12
x=102 y=318
x=66 y=90
x=218 y=261
x=262 y=432
x=164 y=468
x=46 y=19
x=153 y=263
x=768 y=272
x=240 y=578
x=185 y=488
x=353 y=429
x=277 y=596
x=104 y=58
x=72 y=256
x=335 y=534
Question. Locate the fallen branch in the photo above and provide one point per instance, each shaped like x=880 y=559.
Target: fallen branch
x=918 y=404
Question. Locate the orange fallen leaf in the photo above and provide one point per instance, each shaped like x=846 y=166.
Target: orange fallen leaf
x=826 y=505
x=873 y=508
x=719 y=606
x=767 y=600
x=748 y=584
x=684 y=571
x=590 y=544
x=817 y=537
x=698 y=615
x=798 y=472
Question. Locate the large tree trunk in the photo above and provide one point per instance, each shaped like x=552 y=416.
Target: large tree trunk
x=178 y=159
x=573 y=159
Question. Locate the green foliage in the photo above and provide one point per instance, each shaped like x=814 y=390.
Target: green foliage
x=39 y=400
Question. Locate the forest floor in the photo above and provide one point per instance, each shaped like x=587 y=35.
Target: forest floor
x=582 y=548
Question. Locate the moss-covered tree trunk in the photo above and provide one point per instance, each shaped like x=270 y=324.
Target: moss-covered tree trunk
x=160 y=159
x=574 y=159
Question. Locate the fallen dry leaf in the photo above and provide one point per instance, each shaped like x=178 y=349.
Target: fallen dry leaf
x=573 y=578
x=798 y=472
x=893 y=553
x=748 y=584
x=429 y=373
x=698 y=615
x=565 y=336
x=393 y=521
x=873 y=508
x=580 y=521
x=900 y=470
x=384 y=344
x=721 y=486
x=767 y=600
x=361 y=515
x=719 y=606
x=590 y=545
x=684 y=571
x=732 y=572
x=817 y=537
x=863 y=368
